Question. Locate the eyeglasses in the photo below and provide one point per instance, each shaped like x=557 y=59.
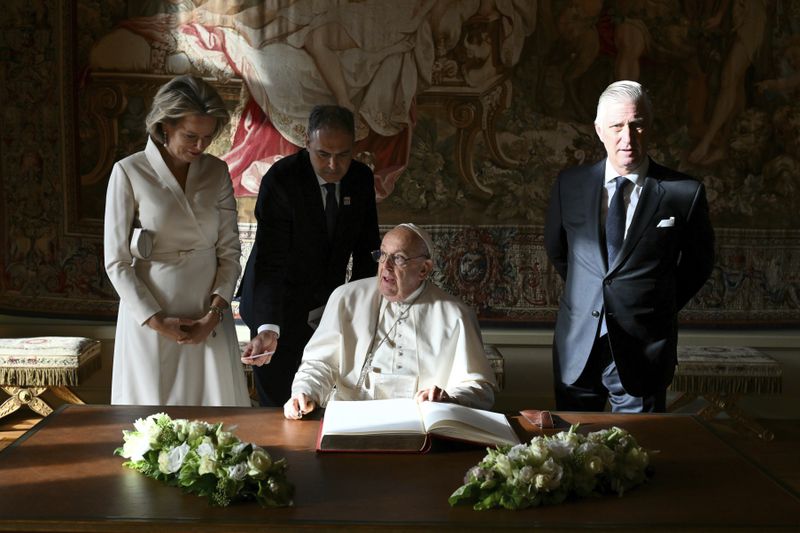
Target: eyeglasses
x=398 y=260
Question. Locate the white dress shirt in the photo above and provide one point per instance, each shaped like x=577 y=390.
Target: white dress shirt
x=632 y=194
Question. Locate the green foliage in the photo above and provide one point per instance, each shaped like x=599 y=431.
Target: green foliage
x=206 y=460
x=550 y=469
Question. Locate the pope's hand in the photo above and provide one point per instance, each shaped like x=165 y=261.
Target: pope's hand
x=297 y=406
x=432 y=394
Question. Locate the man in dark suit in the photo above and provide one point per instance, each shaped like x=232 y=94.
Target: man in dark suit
x=314 y=210
x=628 y=265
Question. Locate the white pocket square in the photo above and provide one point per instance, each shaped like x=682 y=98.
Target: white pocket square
x=666 y=222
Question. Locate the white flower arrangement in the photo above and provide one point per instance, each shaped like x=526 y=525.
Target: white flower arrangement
x=206 y=460
x=550 y=469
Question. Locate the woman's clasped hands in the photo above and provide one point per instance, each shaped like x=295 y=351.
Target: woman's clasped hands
x=184 y=330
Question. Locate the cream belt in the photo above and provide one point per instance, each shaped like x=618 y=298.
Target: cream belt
x=178 y=254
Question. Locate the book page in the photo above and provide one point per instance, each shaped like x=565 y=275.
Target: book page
x=465 y=423
x=372 y=417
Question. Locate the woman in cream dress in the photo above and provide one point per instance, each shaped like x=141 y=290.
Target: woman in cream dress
x=175 y=340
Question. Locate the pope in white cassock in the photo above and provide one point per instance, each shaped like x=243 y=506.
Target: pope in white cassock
x=395 y=336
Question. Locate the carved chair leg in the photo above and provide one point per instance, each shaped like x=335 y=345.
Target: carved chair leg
x=710 y=411
x=39 y=406
x=742 y=420
x=66 y=394
x=28 y=396
x=684 y=399
x=11 y=404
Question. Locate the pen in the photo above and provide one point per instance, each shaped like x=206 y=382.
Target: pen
x=256 y=356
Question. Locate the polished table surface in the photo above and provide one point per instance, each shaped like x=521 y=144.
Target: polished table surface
x=62 y=475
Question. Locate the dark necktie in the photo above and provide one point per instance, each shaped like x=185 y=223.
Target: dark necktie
x=615 y=220
x=331 y=208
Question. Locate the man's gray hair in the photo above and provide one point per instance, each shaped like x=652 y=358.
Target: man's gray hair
x=620 y=92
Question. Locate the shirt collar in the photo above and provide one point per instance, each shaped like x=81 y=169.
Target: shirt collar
x=322 y=182
x=637 y=176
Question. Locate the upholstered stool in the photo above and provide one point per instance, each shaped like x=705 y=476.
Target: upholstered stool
x=30 y=366
x=497 y=364
x=722 y=375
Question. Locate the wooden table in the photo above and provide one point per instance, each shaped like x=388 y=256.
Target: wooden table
x=62 y=475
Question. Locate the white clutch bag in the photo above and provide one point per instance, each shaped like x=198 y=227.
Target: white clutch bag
x=141 y=243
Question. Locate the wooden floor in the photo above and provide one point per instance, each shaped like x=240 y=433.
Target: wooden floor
x=15 y=424
x=777 y=457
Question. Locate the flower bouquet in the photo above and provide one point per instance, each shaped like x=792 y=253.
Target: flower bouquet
x=550 y=469
x=204 y=459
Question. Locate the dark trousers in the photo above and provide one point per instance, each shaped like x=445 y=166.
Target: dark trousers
x=599 y=382
x=274 y=380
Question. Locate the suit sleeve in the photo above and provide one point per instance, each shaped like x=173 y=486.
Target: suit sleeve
x=555 y=238
x=697 y=252
x=228 y=246
x=273 y=214
x=368 y=238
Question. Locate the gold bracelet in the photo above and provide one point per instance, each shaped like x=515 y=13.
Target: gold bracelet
x=217 y=310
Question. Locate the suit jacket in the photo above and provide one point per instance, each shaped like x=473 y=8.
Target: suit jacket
x=659 y=269
x=293 y=267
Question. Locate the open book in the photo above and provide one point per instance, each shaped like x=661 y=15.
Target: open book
x=403 y=425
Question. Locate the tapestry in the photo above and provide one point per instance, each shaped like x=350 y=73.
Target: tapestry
x=466 y=111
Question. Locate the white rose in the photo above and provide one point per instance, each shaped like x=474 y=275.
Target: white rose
x=237 y=471
x=559 y=448
x=206 y=449
x=170 y=461
x=550 y=475
x=135 y=447
x=180 y=426
x=258 y=462
x=594 y=465
x=239 y=448
x=518 y=452
x=503 y=466
x=148 y=428
x=538 y=451
x=208 y=465
x=526 y=474
x=226 y=438
x=195 y=430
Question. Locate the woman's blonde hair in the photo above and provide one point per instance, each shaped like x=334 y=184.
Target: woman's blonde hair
x=183 y=96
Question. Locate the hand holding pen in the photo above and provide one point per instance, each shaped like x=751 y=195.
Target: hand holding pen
x=259 y=350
